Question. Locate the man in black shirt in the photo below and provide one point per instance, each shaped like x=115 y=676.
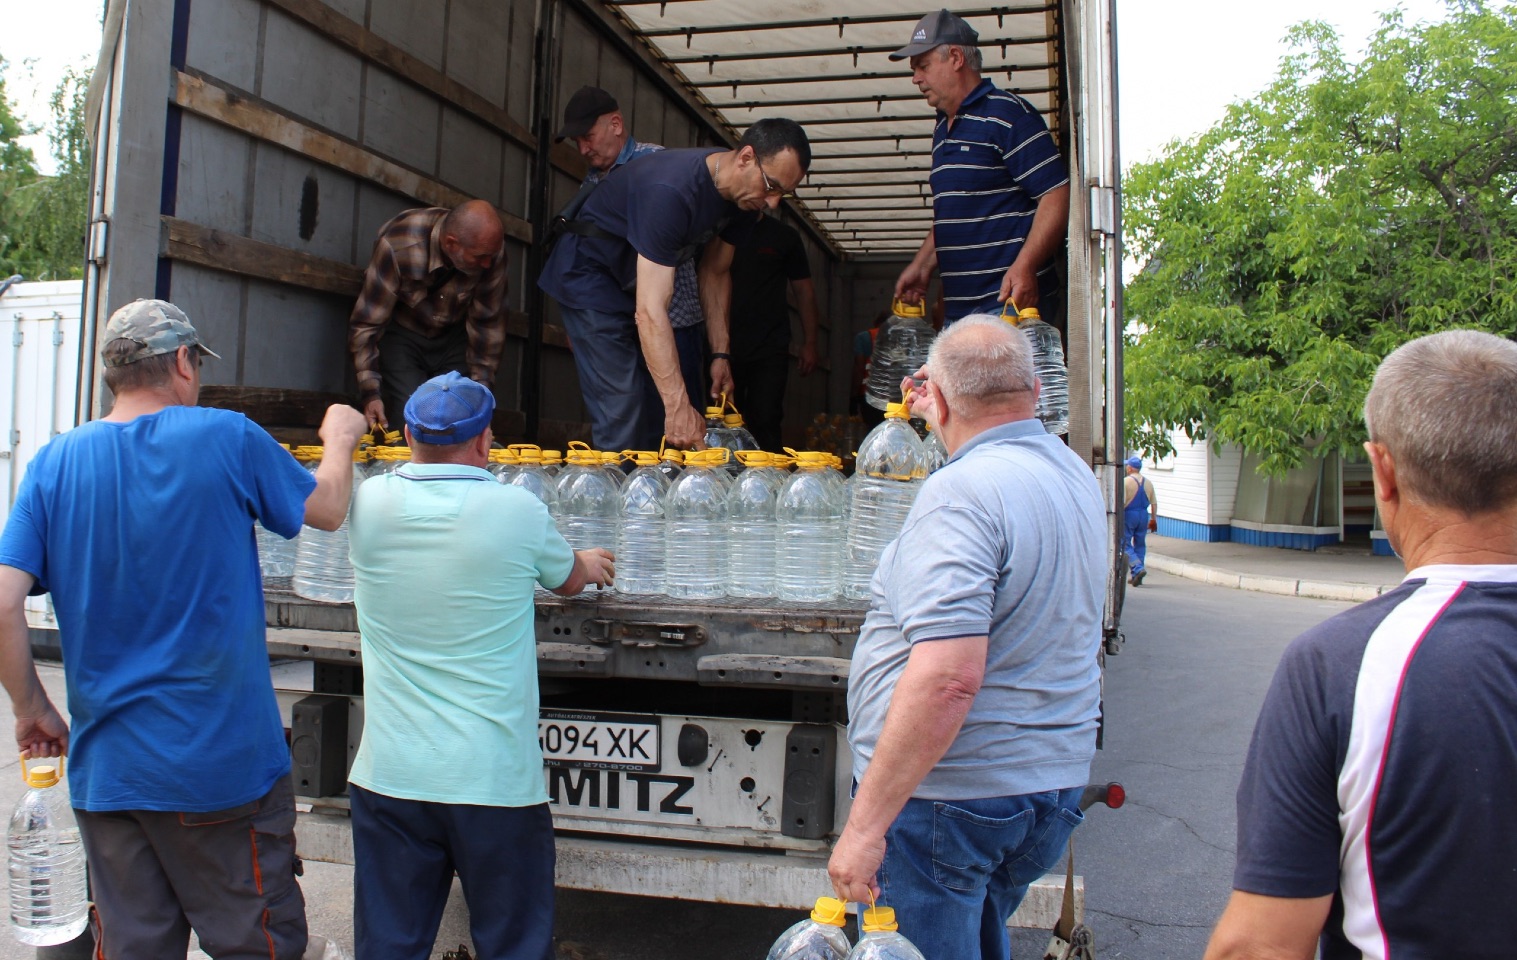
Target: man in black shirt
x=772 y=257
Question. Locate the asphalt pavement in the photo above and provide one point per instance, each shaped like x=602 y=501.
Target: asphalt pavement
x=1180 y=705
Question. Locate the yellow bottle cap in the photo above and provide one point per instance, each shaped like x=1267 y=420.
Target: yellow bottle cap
x=896 y=411
x=754 y=458
x=580 y=457
x=879 y=919
x=674 y=456
x=733 y=420
x=43 y=776
x=710 y=457
x=531 y=456
x=810 y=459
x=831 y=911
x=902 y=309
x=362 y=454
x=642 y=458
x=307 y=452
x=553 y=456
x=713 y=412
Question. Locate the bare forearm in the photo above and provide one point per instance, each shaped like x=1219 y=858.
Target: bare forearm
x=18 y=671
x=927 y=254
x=926 y=713
x=327 y=506
x=805 y=302
x=656 y=336
x=1049 y=225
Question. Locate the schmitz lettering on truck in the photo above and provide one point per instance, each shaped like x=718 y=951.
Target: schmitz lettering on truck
x=619 y=789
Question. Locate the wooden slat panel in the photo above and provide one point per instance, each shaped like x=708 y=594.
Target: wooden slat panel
x=374 y=48
x=259 y=119
x=228 y=252
x=219 y=250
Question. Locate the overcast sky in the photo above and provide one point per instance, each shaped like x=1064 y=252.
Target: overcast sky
x=1182 y=61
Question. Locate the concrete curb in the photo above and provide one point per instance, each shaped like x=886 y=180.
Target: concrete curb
x=1280 y=586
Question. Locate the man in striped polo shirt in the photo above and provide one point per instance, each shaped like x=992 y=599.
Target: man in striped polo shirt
x=1375 y=807
x=1000 y=189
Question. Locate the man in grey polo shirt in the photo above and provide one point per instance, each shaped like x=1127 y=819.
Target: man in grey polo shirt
x=975 y=686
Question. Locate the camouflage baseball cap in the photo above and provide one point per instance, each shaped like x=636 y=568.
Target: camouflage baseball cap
x=156 y=326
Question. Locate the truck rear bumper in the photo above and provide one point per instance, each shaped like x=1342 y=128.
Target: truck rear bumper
x=687 y=871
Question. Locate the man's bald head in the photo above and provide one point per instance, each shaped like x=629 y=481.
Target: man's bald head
x=984 y=367
x=473 y=236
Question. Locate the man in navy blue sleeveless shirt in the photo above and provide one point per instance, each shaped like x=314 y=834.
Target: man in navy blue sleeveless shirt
x=1375 y=808
x=1000 y=192
x=141 y=526
x=613 y=275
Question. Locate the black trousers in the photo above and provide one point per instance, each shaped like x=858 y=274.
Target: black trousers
x=760 y=388
x=407 y=360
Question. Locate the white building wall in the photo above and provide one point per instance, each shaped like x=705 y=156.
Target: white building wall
x=39 y=375
x=1180 y=481
x=1226 y=461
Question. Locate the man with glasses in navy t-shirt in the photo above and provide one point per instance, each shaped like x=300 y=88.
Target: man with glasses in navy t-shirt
x=613 y=274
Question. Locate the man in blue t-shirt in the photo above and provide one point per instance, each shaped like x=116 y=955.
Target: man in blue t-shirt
x=439 y=534
x=613 y=275
x=140 y=524
x=1000 y=191
x=1374 y=813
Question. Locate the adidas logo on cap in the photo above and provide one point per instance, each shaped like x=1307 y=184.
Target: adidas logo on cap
x=919 y=35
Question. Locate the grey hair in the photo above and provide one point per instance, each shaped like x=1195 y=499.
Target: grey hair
x=973 y=59
x=1443 y=406
x=981 y=361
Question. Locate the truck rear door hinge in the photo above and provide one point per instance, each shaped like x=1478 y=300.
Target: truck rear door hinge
x=1103 y=210
x=100 y=231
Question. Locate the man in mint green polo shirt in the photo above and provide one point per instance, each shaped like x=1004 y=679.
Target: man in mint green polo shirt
x=449 y=776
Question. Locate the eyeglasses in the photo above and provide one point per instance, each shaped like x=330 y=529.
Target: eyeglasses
x=769 y=186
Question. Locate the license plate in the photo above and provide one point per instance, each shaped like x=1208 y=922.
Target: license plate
x=598 y=740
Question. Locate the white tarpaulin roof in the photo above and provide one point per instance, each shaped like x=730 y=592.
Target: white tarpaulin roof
x=824 y=63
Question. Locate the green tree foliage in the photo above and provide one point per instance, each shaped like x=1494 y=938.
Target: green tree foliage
x=43 y=218
x=1348 y=208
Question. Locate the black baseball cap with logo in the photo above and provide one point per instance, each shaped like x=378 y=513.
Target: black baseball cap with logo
x=587 y=105
x=936 y=29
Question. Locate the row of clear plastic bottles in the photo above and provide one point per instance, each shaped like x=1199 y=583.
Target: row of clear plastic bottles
x=316 y=562
x=822 y=936
x=684 y=526
x=902 y=341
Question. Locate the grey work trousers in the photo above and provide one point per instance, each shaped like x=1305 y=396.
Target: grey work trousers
x=228 y=874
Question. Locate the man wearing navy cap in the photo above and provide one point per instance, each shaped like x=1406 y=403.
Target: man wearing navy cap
x=449 y=775
x=1000 y=188
x=1140 y=517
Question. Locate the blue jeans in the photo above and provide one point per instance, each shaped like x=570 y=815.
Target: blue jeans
x=625 y=410
x=956 y=872
x=1136 y=541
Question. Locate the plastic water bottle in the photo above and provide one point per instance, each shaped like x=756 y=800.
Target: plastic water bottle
x=695 y=556
x=717 y=434
x=809 y=532
x=739 y=440
x=887 y=475
x=322 y=569
x=553 y=462
x=751 y=518
x=641 y=534
x=819 y=937
x=49 y=896
x=503 y=464
x=588 y=501
x=935 y=451
x=882 y=940
x=276 y=555
x=611 y=462
x=1048 y=363
x=900 y=349
x=671 y=463
x=531 y=474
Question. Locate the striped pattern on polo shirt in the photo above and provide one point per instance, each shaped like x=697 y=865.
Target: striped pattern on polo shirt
x=988 y=173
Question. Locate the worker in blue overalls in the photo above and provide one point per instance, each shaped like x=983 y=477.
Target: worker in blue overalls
x=1140 y=515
